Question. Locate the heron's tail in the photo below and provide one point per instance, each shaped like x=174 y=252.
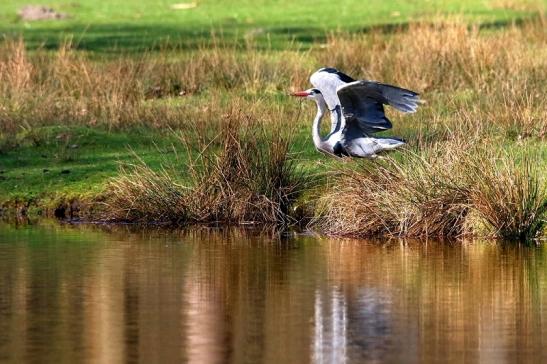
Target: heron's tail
x=389 y=143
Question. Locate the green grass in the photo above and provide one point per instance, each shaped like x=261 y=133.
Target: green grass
x=53 y=164
x=78 y=161
x=74 y=161
x=47 y=154
x=123 y=25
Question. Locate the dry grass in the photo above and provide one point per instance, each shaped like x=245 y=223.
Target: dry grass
x=446 y=55
x=509 y=195
x=498 y=75
x=249 y=178
x=143 y=195
x=475 y=81
x=419 y=196
x=67 y=87
x=484 y=88
x=450 y=190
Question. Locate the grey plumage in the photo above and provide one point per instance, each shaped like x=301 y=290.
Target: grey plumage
x=357 y=112
x=363 y=103
x=327 y=80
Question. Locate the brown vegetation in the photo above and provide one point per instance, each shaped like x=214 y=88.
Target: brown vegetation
x=509 y=195
x=485 y=92
x=450 y=190
x=250 y=178
x=70 y=88
x=498 y=77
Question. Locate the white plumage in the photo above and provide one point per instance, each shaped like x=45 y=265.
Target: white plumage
x=357 y=112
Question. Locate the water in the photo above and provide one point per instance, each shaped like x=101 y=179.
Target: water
x=111 y=295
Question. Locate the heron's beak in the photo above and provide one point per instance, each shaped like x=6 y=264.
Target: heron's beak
x=300 y=94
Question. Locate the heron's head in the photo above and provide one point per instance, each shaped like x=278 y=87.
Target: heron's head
x=311 y=93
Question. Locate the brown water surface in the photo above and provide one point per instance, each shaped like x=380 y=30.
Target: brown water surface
x=88 y=294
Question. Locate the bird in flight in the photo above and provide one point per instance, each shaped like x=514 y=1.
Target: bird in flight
x=357 y=113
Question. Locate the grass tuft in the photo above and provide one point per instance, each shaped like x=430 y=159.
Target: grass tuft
x=246 y=176
x=437 y=193
x=510 y=196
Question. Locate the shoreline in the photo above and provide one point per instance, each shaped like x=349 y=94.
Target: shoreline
x=209 y=135
x=74 y=214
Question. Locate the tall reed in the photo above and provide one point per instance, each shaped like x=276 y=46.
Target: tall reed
x=441 y=192
x=247 y=175
x=510 y=195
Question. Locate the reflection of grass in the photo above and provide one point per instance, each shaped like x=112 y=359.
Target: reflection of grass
x=129 y=25
x=459 y=297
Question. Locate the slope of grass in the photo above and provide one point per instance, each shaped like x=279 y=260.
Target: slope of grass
x=67 y=118
x=60 y=161
x=106 y=25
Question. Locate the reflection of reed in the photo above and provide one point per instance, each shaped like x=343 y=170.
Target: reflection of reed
x=104 y=313
x=233 y=296
x=254 y=283
x=330 y=331
x=13 y=297
x=205 y=341
x=481 y=301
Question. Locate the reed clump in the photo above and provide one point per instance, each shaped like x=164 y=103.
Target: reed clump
x=247 y=175
x=450 y=190
x=510 y=196
x=143 y=195
x=418 y=196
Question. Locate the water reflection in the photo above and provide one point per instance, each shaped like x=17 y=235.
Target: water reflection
x=86 y=294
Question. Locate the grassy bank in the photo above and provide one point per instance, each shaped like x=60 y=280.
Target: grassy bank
x=106 y=26
x=451 y=189
x=209 y=135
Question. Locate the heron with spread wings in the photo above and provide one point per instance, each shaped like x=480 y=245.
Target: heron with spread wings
x=357 y=113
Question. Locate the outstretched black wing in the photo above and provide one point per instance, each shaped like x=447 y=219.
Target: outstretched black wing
x=363 y=103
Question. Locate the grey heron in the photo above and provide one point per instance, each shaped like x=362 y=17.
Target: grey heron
x=357 y=113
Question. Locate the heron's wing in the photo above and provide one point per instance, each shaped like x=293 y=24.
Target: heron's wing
x=363 y=103
x=327 y=80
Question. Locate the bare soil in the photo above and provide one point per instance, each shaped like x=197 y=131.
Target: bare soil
x=39 y=12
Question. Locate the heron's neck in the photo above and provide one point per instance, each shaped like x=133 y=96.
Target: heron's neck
x=316 y=127
x=337 y=120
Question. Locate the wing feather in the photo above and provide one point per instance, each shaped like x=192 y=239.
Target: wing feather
x=363 y=102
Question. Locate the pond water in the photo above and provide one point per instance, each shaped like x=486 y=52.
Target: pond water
x=103 y=294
